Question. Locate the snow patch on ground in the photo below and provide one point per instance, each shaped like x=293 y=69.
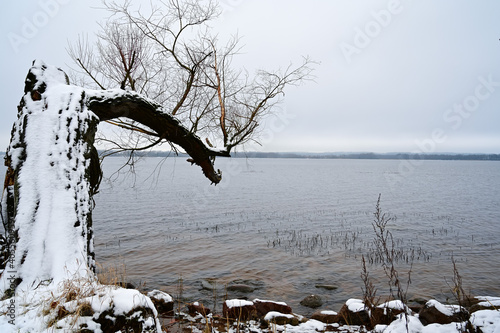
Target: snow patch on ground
x=39 y=310
x=488 y=320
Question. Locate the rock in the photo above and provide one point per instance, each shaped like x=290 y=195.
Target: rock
x=484 y=303
x=436 y=313
x=281 y=318
x=386 y=313
x=326 y=286
x=241 y=288
x=418 y=300
x=312 y=301
x=264 y=307
x=137 y=320
x=353 y=312
x=208 y=285
x=239 y=309
x=327 y=317
x=108 y=308
x=416 y=304
x=196 y=307
x=162 y=301
x=126 y=285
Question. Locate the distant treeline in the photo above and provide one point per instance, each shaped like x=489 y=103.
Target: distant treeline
x=374 y=156
x=361 y=156
x=366 y=156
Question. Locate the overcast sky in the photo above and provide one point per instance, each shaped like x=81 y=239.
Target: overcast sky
x=413 y=76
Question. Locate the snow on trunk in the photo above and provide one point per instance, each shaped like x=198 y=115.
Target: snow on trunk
x=48 y=160
x=48 y=281
x=48 y=284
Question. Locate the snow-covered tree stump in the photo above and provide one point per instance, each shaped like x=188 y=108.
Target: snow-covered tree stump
x=48 y=282
x=50 y=179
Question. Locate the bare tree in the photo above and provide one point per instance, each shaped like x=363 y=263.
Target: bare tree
x=160 y=77
x=170 y=56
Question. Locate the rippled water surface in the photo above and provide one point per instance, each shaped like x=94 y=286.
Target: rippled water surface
x=285 y=226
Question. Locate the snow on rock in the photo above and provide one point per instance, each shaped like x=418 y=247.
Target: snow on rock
x=326 y=316
x=232 y=303
x=160 y=295
x=125 y=300
x=329 y=312
x=269 y=301
x=447 y=310
x=355 y=312
x=239 y=309
x=488 y=301
x=487 y=320
x=198 y=309
x=314 y=326
x=386 y=312
x=310 y=325
x=279 y=318
x=273 y=314
x=401 y=325
x=411 y=324
x=263 y=307
x=435 y=312
x=355 y=305
x=395 y=305
x=163 y=302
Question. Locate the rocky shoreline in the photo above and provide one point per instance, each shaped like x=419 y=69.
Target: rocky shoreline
x=208 y=291
x=85 y=306
x=480 y=314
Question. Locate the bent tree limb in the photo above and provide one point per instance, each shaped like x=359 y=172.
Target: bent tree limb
x=111 y=104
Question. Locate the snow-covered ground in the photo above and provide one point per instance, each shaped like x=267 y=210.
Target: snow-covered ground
x=73 y=305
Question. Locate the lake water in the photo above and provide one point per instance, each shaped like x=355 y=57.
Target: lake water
x=285 y=226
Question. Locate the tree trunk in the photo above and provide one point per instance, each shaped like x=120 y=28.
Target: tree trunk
x=53 y=171
x=48 y=206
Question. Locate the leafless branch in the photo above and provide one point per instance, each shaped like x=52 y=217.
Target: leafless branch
x=168 y=54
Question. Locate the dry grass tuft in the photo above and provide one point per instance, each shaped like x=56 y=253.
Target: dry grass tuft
x=114 y=275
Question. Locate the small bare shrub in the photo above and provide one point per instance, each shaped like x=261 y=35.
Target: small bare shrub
x=370 y=298
x=388 y=255
x=463 y=299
